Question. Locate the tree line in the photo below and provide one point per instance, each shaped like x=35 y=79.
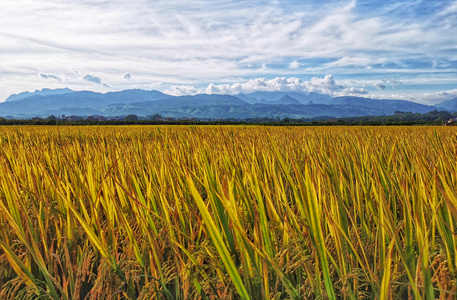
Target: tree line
x=399 y=118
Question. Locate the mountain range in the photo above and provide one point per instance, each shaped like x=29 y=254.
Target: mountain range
x=43 y=103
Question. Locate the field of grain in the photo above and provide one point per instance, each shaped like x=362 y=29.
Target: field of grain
x=231 y=212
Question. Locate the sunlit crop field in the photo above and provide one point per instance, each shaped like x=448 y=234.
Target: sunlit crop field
x=231 y=212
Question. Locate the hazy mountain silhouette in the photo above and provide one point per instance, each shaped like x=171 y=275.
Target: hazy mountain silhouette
x=450 y=105
x=42 y=92
x=254 y=105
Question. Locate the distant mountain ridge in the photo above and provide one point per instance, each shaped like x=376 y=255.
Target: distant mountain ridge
x=286 y=100
x=42 y=92
x=450 y=105
x=204 y=106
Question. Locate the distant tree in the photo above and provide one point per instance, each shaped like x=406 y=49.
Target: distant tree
x=131 y=118
x=51 y=117
x=340 y=122
x=156 y=117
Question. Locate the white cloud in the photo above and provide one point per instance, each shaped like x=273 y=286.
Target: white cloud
x=259 y=84
x=224 y=89
x=181 y=90
x=352 y=91
x=439 y=96
x=355 y=90
x=155 y=84
x=326 y=85
x=294 y=65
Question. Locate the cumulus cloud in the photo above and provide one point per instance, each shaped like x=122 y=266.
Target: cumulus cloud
x=259 y=84
x=224 y=89
x=155 y=84
x=326 y=85
x=294 y=65
x=440 y=96
x=92 y=78
x=379 y=86
x=181 y=90
x=61 y=77
x=127 y=76
x=352 y=91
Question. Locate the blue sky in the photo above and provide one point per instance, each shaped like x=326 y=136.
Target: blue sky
x=378 y=49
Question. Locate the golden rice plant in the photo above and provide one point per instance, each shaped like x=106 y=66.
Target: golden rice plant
x=228 y=212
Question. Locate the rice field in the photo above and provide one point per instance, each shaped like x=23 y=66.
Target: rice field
x=228 y=212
